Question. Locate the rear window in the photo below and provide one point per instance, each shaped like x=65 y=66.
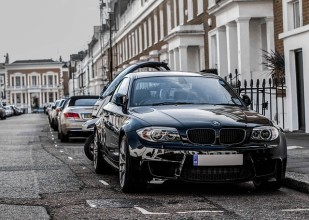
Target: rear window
x=82 y=102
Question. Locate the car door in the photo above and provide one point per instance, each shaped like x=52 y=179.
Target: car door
x=112 y=119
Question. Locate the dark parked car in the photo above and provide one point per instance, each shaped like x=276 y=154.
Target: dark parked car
x=186 y=126
x=2 y=112
x=109 y=90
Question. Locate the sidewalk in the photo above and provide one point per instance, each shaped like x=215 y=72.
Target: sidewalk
x=297 y=176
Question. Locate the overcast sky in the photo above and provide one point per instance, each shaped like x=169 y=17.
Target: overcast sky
x=45 y=29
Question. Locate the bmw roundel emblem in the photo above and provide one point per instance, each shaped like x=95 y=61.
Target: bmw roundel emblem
x=215 y=123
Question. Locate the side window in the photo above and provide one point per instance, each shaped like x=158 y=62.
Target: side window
x=122 y=88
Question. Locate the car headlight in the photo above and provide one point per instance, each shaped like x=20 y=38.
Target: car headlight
x=265 y=133
x=159 y=134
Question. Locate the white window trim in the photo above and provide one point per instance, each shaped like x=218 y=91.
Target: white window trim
x=288 y=24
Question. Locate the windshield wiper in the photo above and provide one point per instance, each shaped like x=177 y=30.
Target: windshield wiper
x=173 y=103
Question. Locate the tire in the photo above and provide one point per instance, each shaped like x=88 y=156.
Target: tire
x=130 y=179
x=88 y=147
x=63 y=137
x=55 y=125
x=98 y=162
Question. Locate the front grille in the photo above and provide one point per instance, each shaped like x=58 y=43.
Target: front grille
x=232 y=136
x=202 y=136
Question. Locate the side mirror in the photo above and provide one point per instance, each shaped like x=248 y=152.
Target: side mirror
x=246 y=99
x=53 y=107
x=120 y=99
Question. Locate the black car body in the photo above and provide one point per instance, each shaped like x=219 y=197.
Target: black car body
x=186 y=126
x=2 y=112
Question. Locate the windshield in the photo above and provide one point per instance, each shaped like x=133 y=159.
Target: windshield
x=181 y=90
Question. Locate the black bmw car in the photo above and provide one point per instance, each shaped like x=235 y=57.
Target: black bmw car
x=187 y=126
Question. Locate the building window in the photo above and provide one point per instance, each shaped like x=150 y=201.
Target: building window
x=200 y=7
x=296 y=14
x=33 y=80
x=190 y=10
x=50 y=80
x=50 y=97
x=293 y=14
x=18 y=81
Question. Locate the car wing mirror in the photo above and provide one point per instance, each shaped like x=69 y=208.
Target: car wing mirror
x=120 y=99
x=246 y=99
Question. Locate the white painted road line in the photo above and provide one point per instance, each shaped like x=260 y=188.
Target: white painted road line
x=61 y=151
x=70 y=158
x=145 y=212
x=103 y=182
x=295 y=210
x=294 y=147
x=56 y=145
x=200 y=211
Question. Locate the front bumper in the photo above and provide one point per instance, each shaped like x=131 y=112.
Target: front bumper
x=172 y=163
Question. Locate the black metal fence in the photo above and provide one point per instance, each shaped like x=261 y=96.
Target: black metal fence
x=268 y=97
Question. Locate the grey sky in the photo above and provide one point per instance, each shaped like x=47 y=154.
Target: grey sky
x=44 y=29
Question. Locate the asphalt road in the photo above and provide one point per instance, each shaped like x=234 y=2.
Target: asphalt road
x=41 y=178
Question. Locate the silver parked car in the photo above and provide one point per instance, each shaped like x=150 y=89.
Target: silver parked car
x=53 y=113
x=75 y=111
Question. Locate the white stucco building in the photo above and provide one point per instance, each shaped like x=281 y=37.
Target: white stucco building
x=295 y=37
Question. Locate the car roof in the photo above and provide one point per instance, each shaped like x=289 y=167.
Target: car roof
x=169 y=73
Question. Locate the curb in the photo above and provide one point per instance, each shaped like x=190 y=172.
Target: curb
x=299 y=182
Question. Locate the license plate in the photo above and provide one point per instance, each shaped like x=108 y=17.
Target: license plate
x=87 y=115
x=218 y=160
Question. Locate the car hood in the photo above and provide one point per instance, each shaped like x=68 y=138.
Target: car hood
x=199 y=116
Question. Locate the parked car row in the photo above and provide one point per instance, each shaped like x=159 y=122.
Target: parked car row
x=176 y=125
x=9 y=110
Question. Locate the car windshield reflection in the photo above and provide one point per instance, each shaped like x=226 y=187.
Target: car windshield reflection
x=179 y=90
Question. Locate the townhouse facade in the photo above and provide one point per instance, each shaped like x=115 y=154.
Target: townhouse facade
x=293 y=36
x=194 y=35
x=171 y=31
x=32 y=83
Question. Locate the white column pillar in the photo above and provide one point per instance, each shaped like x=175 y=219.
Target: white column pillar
x=222 y=52
x=176 y=59
x=183 y=58
x=243 y=40
x=270 y=34
x=41 y=99
x=15 y=99
x=29 y=103
x=11 y=98
x=171 y=59
x=175 y=12
x=231 y=37
x=169 y=17
x=202 y=57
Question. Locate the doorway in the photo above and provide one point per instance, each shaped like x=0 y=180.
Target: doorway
x=300 y=89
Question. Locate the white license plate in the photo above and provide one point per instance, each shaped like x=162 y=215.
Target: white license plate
x=87 y=115
x=218 y=160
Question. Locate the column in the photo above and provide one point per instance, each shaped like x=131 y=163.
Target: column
x=231 y=37
x=29 y=103
x=175 y=12
x=41 y=99
x=183 y=58
x=15 y=99
x=161 y=24
x=222 y=52
x=243 y=41
x=176 y=59
x=171 y=59
x=169 y=17
x=202 y=57
x=270 y=34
